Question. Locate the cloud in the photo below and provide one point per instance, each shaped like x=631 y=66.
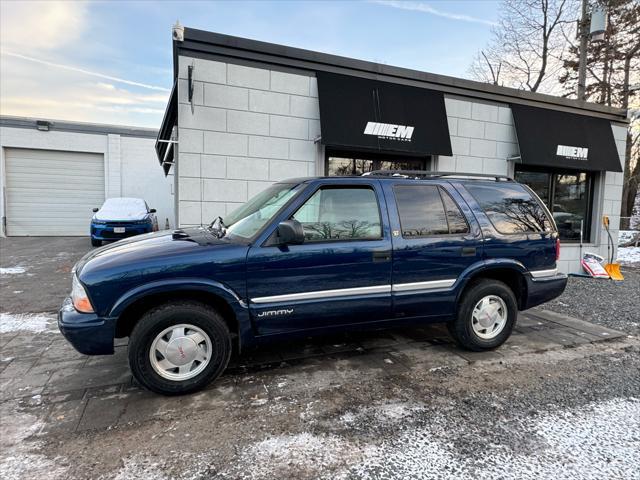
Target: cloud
x=41 y=26
x=426 y=8
x=86 y=72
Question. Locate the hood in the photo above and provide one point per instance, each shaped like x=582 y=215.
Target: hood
x=152 y=252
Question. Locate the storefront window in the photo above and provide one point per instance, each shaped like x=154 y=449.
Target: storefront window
x=567 y=194
x=342 y=164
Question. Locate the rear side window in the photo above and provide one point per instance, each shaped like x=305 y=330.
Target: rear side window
x=426 y=210
x=343 y=213
x=510 y=207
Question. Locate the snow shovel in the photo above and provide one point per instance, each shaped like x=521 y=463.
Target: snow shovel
x=613 y=269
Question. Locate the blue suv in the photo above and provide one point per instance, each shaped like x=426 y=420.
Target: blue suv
x=317 y=255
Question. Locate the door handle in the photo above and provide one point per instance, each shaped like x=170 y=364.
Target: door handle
x=468 y=251
x=381 y=256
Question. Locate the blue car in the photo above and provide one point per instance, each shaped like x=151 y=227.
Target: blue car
x=318 y=255
x=120 y=218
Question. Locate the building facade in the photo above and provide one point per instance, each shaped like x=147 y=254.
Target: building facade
x=53 y=173
x=245 y=114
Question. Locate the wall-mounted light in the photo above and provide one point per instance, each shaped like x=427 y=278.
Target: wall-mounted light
x=43 y=125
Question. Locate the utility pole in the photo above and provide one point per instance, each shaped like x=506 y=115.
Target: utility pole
x=582 y=64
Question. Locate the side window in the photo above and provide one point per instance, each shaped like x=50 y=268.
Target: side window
x=457 y=221
x=510 y=207
x=421 y=210
x=343 y=213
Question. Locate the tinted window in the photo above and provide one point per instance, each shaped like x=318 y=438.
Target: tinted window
x=510 y=207
x=349 y=213
x=421 y=210
x=457 y=222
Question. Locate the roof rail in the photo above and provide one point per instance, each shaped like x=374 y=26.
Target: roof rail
x=427 y=174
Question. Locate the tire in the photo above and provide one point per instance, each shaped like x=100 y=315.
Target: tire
x=498 y=314
x=197 y=321
x=96 y=243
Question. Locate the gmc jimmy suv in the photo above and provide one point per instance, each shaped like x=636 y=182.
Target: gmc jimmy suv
x=317 y=255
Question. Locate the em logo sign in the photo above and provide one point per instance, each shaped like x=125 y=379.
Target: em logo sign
x=389 y=130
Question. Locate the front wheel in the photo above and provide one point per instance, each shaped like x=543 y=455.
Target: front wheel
x=96 y=243
x=486 y=316
x=179 y=348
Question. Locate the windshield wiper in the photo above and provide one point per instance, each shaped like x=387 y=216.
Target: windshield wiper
x=218 y=226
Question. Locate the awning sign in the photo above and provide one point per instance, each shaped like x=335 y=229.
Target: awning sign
x=581 y=153
x=371 y=115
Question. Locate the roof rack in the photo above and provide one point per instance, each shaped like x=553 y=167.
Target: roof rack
x=427 y=174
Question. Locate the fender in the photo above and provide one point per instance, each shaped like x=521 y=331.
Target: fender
x=237 y=304
x=486 y=265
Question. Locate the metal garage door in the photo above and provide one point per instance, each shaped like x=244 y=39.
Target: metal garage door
x=51 y=192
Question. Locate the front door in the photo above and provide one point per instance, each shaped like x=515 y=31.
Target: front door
x=433 y=243
x=340 y=275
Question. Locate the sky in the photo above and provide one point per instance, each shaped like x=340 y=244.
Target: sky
x=110 y=62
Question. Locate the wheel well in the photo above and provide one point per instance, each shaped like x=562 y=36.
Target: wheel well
x=134 y=312
x=512 y=278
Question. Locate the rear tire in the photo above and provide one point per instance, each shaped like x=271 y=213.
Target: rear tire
x=96 y=243
x=179 y=348
x=487 y=313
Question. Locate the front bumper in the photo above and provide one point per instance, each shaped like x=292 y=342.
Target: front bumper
x=88 y=333
x=541 y=290
x=106 y=231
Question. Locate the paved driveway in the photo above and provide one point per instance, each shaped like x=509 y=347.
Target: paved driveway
x=560 y=399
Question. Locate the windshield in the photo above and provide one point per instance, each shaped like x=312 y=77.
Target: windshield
x=248 y=219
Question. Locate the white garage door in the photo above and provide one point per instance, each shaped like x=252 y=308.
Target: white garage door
x=51 y=192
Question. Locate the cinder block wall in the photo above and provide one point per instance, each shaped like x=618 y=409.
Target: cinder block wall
x=249 y=127
x=482 y=137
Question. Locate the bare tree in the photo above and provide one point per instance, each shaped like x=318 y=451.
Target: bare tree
x=613 y=66
x=526 y=45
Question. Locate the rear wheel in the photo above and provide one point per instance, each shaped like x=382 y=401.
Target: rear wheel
x=179 y=348
x=96 y=243
x=486 y=316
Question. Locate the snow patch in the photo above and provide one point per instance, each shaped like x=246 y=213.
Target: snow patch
x=122 y=209
x=12 y=270
x=19 y=457
x=629 y=255
x=27 y=322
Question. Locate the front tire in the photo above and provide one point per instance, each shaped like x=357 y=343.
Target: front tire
x=486 y=316
x=96 y=243
x=179 y=348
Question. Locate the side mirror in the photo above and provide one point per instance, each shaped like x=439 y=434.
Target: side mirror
x=152 y=210
x=290 y=232
x=96 y=209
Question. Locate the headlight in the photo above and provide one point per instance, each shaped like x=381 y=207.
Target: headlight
x=79 y=297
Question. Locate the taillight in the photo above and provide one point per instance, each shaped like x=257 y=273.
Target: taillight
x=557 y=249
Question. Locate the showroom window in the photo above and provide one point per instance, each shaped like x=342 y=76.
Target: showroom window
x=567 y=194
x=353 y=163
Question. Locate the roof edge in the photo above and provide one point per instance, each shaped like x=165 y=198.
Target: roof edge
x=254 y=50
x=78 y=127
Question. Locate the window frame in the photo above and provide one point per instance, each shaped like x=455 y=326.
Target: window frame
x=427 y=160
x=342 y=187
x=440 y=189
x=553 y=173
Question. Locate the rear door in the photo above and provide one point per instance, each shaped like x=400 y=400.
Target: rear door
x=341 y=274
x=435 y=239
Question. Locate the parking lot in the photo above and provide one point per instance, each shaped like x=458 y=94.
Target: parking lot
x=561 y=399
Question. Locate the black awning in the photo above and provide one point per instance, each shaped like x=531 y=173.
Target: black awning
x=565 y=140
x=370 y=115
x=164 y=147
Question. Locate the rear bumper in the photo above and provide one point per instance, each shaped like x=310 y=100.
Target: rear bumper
x=544 y=289
x=88 y=333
